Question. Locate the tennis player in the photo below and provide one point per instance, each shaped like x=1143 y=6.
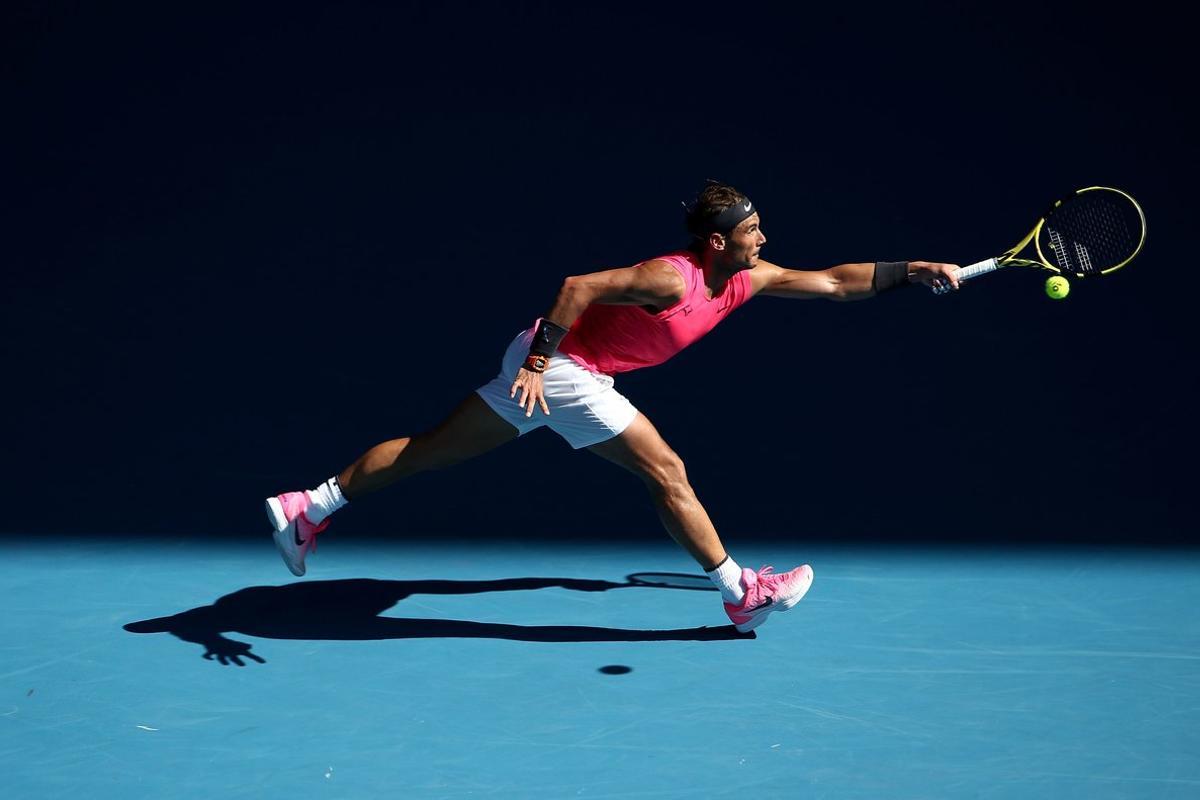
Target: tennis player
x=559 y=373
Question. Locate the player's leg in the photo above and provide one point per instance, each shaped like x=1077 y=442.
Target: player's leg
x=472 y=429
x=487 y=418
x=641 y=450
x=749 y=596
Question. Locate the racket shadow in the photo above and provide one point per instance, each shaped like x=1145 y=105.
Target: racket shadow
x=672 y=580
x=349 y=610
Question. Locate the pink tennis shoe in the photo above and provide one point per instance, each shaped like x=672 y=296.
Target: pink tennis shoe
x=294 y=534
x=767 y=592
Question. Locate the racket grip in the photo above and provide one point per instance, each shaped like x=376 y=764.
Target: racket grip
x=971 y=271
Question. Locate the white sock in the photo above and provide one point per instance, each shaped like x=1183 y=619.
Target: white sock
x=324 y=500
x=728 y=577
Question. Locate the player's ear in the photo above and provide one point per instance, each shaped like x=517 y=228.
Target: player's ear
x=717 y=241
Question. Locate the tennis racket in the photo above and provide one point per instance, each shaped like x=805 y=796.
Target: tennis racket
x=1094 y=231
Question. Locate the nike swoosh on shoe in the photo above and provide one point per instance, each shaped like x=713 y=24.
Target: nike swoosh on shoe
x=760 y=606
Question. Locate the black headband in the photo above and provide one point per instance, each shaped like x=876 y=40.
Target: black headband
x=728 y=219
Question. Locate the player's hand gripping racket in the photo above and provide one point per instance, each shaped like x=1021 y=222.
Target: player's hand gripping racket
x=1094 y=231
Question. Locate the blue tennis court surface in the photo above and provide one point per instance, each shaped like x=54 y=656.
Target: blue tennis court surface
x=459 y=670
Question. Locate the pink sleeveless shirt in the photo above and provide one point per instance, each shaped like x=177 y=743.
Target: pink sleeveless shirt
x=611 y=339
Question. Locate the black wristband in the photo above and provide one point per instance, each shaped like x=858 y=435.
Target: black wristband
x=889 y=275
x=546 y=338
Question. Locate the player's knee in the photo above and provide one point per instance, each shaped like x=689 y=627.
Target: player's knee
x=668 y=476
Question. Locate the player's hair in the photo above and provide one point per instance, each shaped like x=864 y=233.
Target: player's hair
x=714 y=198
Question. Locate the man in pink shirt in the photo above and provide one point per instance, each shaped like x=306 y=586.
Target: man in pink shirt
x=559 y=374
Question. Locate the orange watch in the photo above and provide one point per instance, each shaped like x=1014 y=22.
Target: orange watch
x=536 y=363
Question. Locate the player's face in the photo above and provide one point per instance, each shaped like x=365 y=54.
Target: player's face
x=744 y=242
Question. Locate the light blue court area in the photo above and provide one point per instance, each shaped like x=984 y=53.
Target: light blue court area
x=455 y=670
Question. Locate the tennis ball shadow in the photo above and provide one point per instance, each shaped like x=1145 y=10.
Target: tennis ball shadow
x=615 y=669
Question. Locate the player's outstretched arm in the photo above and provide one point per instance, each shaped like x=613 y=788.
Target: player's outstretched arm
x=848 y=281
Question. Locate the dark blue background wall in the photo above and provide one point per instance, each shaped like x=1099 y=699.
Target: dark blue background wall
x=240 y=241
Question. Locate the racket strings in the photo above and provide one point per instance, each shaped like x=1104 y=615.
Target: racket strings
x=1092 y=232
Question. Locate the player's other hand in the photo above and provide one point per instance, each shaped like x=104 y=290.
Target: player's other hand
x=228 y=651
x=529 y=386
x=933 y=274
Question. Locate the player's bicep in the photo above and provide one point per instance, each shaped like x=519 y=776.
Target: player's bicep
x=654 y=283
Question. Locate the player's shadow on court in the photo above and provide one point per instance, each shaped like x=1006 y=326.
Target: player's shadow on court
x=350 y=610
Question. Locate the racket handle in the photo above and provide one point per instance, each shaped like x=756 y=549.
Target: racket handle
x=971 y=271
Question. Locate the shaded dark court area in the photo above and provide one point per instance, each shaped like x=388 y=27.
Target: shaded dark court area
x=243 y=244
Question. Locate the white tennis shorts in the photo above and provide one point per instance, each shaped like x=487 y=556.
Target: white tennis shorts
x=585 y=409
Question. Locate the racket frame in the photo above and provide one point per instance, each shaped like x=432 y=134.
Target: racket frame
x=1009 y=257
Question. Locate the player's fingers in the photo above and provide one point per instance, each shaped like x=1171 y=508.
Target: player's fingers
x=521 y=382
x=545 y=406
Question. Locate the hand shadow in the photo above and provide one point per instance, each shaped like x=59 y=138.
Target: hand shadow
x=349 y=610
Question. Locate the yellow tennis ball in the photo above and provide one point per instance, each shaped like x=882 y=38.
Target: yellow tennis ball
x=1057 y=287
